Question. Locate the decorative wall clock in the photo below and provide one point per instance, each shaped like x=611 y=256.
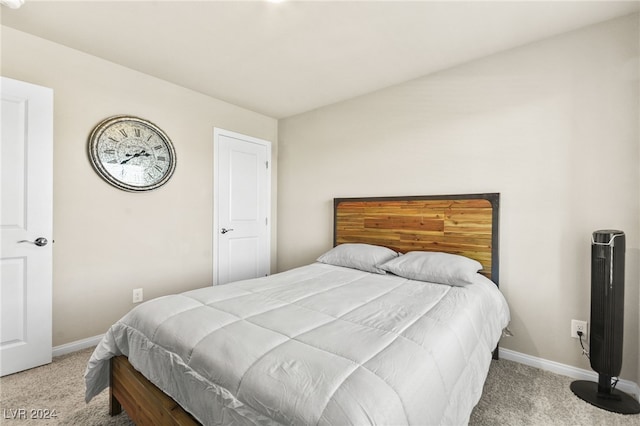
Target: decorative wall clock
x=131 y=153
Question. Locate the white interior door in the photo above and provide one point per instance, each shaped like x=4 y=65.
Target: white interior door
x=241 y=207
x=26 y=225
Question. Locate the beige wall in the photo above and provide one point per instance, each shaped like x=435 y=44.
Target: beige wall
x=108 y=241
x=552 y=126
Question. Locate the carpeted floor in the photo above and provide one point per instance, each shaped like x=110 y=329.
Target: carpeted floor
x=58 y=386
x=518 y=395
x=514 y=395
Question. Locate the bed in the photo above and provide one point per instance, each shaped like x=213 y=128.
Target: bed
x=364 y=335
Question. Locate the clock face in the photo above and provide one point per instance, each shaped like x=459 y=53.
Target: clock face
x=131 y=153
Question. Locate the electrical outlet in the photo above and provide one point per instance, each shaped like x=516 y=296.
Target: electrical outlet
x=137 y=295
x=577 y=325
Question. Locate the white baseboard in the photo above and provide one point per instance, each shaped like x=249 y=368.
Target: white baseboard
x=78 y=345
x=626 y=386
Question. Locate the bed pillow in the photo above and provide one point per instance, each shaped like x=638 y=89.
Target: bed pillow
x=434 y=267
x=364 y=257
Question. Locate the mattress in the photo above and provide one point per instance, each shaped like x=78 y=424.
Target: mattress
x=319 y=344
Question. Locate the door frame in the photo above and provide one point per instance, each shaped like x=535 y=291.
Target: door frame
x=217 y=133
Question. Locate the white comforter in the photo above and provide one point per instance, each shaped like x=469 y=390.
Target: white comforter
x=315 y=345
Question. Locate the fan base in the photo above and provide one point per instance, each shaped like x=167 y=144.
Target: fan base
x=616 y=401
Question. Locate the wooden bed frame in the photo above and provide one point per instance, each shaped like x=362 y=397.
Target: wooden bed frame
x=143 y=401
x=459 y=224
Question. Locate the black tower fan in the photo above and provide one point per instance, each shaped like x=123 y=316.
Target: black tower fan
x=607 y=324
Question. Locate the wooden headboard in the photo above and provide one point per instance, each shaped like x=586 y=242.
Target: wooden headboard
x=465 y=224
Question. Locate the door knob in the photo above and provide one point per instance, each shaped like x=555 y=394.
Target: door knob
x=225 y=230
x=40 y=241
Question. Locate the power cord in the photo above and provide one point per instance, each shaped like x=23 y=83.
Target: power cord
x=613 y=385
x=584 y=351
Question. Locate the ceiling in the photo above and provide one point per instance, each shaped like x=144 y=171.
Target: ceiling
x=282 y=59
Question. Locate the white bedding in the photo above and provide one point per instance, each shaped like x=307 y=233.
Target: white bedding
x=319 y=344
